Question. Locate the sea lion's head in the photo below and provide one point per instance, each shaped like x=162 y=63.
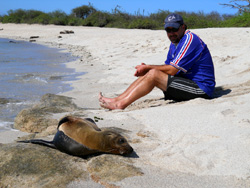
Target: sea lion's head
x=116 y=143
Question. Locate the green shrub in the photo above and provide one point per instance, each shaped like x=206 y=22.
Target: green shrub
x=30 y=16
x=143 y=24
x=15 y=16
x=159 y=17
x=89 y=16
x=242 y=20
x=42 y=19
x=73 y=21
x=98 y=19
x=58 y=18
x=83 y=11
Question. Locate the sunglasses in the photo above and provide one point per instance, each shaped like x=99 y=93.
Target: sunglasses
x=169 y=30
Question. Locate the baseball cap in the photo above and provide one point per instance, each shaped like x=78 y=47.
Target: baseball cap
x=173 y=20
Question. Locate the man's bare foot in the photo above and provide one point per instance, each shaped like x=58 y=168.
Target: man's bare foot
x=108 y=105
x=111 y=105
x=103 y=105
x=103 y=99
x=100 y=97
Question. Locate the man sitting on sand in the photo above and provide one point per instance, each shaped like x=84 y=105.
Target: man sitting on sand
x=188 y=72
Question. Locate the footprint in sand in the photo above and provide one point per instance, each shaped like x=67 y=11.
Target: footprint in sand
x=227 y=112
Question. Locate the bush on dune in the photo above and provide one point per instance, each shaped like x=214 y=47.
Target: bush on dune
x=87 y=15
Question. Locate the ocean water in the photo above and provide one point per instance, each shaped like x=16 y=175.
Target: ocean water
x=28 y=71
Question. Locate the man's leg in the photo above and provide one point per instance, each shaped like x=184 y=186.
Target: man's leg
x=123 y=95
x=141 y=87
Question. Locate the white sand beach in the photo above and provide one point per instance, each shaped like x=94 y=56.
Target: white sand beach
x=198 y=143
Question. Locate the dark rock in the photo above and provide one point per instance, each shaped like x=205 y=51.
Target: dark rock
x=105 y=168
x=56 y=77
x=29 y=75
x=8 y=100
x=34 y=37
x=67 y=32
x=4 y=101
x=27 y=165
x=57 y=104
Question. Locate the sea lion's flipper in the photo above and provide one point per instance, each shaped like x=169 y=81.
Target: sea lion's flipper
x=93 y=124
x=90 y=120
x=63 y=120
x=40 y=142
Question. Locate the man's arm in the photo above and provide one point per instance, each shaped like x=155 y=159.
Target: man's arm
x=143 y=69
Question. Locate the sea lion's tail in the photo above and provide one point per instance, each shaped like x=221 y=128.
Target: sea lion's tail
x=40 y=142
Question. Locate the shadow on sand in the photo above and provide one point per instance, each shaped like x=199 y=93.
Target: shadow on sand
x=221 y=91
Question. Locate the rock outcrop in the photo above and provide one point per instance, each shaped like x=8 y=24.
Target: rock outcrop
x=28 y=165
x=39 y=117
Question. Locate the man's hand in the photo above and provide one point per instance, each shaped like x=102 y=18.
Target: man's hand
x=141 y=70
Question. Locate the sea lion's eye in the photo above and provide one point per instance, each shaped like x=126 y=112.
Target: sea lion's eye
x=121 y=141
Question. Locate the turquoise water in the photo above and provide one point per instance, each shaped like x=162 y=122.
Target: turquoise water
x=28 y=71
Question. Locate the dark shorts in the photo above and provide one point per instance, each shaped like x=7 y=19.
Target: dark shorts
x=182 y=89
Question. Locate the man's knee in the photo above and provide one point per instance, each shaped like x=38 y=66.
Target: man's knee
x=156 y=74
x=159 y=78
x=153 y=73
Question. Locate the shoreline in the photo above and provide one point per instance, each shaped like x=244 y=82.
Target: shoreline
x=42 y=70
x=207 y=144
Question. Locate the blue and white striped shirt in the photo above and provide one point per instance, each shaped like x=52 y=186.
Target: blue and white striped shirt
x=193 y=59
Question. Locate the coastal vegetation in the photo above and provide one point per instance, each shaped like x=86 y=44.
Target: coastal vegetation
x=87 y=15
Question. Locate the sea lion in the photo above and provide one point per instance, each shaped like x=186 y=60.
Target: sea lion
x=82 y=137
